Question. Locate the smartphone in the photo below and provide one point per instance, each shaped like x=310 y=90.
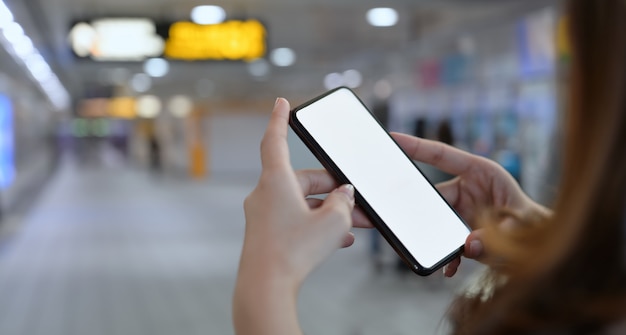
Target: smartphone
x=402 y=204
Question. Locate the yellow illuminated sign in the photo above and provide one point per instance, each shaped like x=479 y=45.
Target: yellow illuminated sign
x=231 y=40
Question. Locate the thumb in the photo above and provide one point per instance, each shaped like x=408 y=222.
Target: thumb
x=339 y=204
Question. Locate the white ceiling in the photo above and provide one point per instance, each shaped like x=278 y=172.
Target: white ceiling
x=327 y=35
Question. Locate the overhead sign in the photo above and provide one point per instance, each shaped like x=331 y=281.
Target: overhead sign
x=137 y=39
x=116 y=40
x=231 y=40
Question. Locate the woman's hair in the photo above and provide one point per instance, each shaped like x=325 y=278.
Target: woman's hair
x=567 y=274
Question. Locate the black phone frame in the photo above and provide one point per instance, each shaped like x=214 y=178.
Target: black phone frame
x=378 y=223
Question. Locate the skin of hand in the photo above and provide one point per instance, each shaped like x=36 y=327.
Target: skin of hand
x=480 y=183
x=287 y=236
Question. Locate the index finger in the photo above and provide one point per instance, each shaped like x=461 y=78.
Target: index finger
x=440 y=155
x=274 y=148
x=315 y=182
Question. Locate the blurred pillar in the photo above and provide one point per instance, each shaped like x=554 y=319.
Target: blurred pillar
x=198 y=157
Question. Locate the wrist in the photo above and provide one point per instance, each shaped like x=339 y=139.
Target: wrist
x=265 y=303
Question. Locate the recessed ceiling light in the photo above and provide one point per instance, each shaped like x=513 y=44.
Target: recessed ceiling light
x=382 y=17
x=24 y=47
x=259 y=68
x=208 y=14
x=467 y=45
x=382 y=89
x=352 y=78
x=21 y=48
x=6 y=17
x=83 y=37
x=38 y=67
x=141 y=83
x=333 y=80
x=283 y=57
x=156 y=67
x=13 y=32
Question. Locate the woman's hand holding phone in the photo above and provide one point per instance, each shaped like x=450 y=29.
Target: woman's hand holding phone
x=286 y=237
x=480 y=183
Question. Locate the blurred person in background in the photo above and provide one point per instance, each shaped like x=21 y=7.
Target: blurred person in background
x=153 y=146
x=559 y=271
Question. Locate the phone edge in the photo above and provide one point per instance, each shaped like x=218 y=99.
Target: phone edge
x=336 y=173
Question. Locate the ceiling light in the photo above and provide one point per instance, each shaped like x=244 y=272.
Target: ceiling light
x=6 y=17
x=352 y=78
x=156 y=67
x=283 y=57
x=38 y=67
x=21 y=48
x=148 y=106
x=333 y=80
x=259 y=68
x=24 y=46
x=13 y=32
x=119 y=39
x=382 y=17
x=382 y=89
x=83 y=38
x=467 y=45
x=208 y=14
x=141 y=83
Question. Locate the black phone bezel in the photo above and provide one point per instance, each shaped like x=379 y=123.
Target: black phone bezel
x=332 y=168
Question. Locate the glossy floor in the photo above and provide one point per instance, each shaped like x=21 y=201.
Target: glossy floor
x=111 y=249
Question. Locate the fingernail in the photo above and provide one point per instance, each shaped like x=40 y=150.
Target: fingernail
x=476 y=248
x=445 y=270
x=276 y=102
x=347 y=190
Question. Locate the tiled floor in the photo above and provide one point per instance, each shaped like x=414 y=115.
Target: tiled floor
x=114 y=250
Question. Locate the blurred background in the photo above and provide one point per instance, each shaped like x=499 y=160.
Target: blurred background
x=129 y=135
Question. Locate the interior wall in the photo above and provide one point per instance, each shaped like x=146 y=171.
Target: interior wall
x=234 y=142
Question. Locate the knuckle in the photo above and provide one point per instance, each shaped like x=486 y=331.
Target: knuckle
x=438 y=155
x=265 y=141
x=263 y=144
x=247 y=202
x=303 y=179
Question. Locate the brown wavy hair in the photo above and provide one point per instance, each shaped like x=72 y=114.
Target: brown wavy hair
x=566 y=274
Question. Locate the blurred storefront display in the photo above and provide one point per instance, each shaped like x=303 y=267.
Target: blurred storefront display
x=7 y=146
x=28 y=153
x=498 y=90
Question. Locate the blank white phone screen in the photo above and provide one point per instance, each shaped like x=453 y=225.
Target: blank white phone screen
x=384 y=176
